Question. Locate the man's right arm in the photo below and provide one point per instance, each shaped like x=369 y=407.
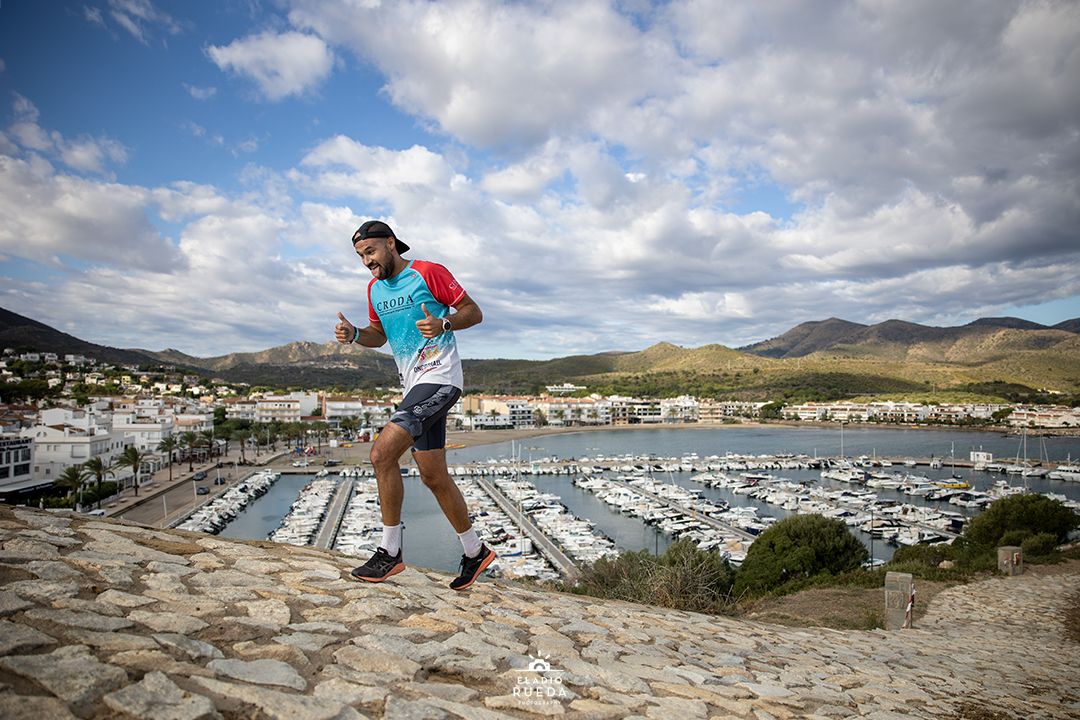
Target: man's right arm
x=371 y=336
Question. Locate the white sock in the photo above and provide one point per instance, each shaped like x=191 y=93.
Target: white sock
x=391 y=538
x=470 y=542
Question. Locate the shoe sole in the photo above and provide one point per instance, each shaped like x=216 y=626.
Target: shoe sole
x=400 y=567
x=483 y=566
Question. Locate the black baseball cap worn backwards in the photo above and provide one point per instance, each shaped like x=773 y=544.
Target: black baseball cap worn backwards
x=378 y=229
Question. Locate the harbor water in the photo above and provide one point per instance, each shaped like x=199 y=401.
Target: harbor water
x=429 y=540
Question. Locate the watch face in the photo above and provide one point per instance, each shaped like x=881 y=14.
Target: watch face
x=446 y=325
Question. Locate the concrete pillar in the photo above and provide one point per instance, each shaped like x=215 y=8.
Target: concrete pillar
x=1010 y=560
x=898 y=594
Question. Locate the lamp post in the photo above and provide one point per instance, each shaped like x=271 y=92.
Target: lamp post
x=871 y=536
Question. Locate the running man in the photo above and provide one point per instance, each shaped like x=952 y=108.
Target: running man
x=409 y=304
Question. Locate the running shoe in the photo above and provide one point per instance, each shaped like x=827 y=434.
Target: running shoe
x=472 y=567
x=379 y=567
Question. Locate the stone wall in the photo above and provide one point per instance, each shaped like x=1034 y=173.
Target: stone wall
x=102 y=619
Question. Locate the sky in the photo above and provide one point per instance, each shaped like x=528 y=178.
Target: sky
x=597 y=175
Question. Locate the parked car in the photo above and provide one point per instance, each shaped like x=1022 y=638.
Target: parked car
x=201 y=475
x=330 y=462
x=202 y=490
x=219 y=481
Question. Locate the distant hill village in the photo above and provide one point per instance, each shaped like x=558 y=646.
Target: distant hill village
x=61 y=411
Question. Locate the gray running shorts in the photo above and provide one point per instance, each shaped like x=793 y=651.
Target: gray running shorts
x=423 y=413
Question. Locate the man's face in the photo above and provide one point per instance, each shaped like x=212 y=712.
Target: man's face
x=377 y=256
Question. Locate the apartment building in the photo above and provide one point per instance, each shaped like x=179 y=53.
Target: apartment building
x=336 y=408
x=1045 y=416
x=16 y=468
x=682 y=409
x=64 y=437
x=241 y=409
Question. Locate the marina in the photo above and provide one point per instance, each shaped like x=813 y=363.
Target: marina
x=551 y=513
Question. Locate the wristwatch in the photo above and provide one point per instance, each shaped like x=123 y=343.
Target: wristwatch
x=446 y=325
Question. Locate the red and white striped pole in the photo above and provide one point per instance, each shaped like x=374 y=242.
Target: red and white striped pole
x=910 y=606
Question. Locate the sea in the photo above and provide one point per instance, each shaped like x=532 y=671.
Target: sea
x=429 y=541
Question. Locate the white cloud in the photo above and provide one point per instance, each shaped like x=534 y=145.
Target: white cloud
x=603 y=181
x=84 y=153
x=285 y=64
x=51 y=214
x=497 y=75
x=137 y=17
x=93 y=15
x=201 y=93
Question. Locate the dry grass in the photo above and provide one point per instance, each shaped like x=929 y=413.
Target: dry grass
x=840 y=608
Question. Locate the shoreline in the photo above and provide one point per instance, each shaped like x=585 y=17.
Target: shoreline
x=460 y=439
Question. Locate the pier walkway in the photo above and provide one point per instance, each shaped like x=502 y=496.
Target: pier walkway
x=334 y=513
x=723 y=527
x=541 y=542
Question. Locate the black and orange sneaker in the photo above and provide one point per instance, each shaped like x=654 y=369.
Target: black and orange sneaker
x=379 y=567
x=472 y=567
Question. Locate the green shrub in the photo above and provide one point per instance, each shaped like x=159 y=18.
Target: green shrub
x=1039 y=544
x=1029 y=513
x=925 y=555
x=684 y=578
x=1013 y=537
x=798 y=547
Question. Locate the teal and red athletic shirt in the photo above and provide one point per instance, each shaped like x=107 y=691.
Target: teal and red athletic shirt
x=395 y=303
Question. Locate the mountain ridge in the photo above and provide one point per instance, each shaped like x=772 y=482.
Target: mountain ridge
x=830 y=355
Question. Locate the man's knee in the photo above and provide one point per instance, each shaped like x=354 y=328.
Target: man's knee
x=435 y=481
x=382 y=455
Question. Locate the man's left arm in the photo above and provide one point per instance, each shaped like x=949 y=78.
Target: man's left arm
x=467 y=313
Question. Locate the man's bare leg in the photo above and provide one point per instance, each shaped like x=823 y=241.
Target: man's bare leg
x=433 y=472
x=386 y=453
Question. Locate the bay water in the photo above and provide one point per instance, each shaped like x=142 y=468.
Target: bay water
x=430 y=541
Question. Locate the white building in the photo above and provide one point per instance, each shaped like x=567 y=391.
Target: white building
x=145 y=432
x=274 y=408
x=1045 y=416
x=682 y=409
x=563 y=388
x=336 y=408
x=17 y=468
x=64 y=438
x=240 y=409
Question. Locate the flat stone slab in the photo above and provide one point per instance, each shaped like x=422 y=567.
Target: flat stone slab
x=158 y=697
x=70 y=673
x=167 y=622
x=15 y=637
x=260 y=672
x=194 y=649
x=75 y=618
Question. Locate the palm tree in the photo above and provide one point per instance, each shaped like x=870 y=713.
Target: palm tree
x=72 y=478
x=206 y=440
x=99 y=469
x=133 y=458
x=167 y=446
x=189 y=440
x=244 y=436
x=226 y=434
